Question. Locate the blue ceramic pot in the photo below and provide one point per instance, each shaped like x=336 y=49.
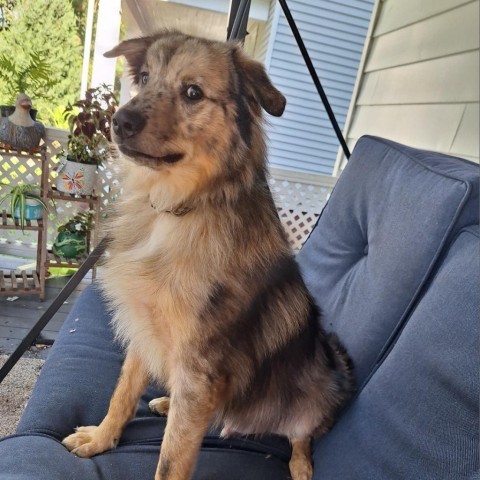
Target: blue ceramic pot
x=33 y=210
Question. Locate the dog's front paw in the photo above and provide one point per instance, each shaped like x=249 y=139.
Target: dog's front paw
x=301 y=470
x=88 y=441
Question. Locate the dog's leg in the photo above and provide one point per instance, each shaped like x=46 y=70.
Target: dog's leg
x=89 y=441
x=301 y=461
x=160 y=405
x=191 y=410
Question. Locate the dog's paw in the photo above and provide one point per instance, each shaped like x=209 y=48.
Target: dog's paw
x=88 y=441
x=160 y=405
x=301 y=469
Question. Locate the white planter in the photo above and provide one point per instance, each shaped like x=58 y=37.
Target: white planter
x=76 y=178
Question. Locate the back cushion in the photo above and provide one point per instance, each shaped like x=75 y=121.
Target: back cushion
x=390 y=215
x=417 y=417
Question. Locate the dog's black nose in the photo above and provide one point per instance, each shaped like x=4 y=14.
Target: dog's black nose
x=127 y=123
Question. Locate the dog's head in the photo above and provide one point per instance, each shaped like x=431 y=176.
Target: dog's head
x=199 y=103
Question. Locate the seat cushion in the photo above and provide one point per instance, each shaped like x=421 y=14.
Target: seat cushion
x=393 y=210
x=74 y=388
x=41 y=458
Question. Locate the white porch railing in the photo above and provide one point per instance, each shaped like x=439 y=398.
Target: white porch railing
x=300 y=197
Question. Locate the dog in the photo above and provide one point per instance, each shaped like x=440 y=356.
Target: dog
x=207 y=297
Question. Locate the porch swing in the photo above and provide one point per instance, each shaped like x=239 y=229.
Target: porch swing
x=236 y=30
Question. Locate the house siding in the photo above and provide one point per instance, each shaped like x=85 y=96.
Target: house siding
x=262 y=51
x=334 y=33
x=420 y=81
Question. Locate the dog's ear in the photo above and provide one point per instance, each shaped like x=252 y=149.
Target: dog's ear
x=134 y=50
x=265 y=93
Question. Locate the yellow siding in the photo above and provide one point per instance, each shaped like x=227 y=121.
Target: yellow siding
x=450 y=32
x=420 y=82
x=397 y=14
x=466 y=140
x=431 y=127
x=443 y=80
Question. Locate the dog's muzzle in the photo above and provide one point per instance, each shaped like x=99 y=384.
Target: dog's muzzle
x=127 y=123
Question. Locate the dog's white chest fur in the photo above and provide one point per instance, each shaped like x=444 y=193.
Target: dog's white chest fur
x=157 y=283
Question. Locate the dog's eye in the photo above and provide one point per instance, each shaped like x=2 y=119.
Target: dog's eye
x=144 y=78
x=193 y=92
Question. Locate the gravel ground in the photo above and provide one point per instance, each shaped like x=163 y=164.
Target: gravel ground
x=15 y=391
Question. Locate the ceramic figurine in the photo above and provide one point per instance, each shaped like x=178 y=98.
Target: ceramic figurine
x=18 y=130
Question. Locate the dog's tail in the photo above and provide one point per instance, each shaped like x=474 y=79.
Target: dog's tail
x=344 y=366
x=342 y=375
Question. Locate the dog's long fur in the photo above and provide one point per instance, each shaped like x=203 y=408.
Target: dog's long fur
x=207 y=296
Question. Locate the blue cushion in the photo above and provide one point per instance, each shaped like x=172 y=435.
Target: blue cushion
x=391 y=213
x=39 y=457
x=417 y=417
x=74 y=388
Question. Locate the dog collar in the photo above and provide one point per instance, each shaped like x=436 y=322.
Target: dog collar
x=178 y=212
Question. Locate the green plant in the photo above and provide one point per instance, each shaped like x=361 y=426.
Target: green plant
x=19 y=194
x=56 y=114
x=81 y=222
x=6 y=13
x=34 y=76
x=89 y=122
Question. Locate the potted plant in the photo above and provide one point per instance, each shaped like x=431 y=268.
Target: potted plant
x=89 y=122
x=25 y=203
x=71 y=241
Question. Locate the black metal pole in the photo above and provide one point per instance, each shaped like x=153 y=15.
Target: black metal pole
x=77 y=277
x=314 y=76
x=238 y=19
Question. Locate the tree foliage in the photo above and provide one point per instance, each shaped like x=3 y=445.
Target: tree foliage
x=34 y=75
x=50 y=31
x=6 y=13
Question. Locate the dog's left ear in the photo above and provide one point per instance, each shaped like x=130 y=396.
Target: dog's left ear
x=134 y=50
x=272 y=101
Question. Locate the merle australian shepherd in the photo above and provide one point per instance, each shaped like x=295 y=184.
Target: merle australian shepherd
x=207 y=297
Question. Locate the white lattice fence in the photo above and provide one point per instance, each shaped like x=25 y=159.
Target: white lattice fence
x=300 y=198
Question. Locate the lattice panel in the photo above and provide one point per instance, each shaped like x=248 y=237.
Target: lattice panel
x=292 y=195
x=108 y=186
x=299 y=202
x=298 y=225
x=299 y=205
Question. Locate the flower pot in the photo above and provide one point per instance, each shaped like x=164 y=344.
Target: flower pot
x=70 y=245
x=76 y=178
x=33 y=210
